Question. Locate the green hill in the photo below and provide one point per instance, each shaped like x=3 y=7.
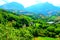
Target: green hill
x=23 y=27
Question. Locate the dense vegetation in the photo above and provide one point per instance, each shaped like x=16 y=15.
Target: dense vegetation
x=24 y=27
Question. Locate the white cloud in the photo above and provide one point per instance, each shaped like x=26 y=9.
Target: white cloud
x=27 y=3
x=54 y=2
x=8 y=0
x=41 y=1
x=2 y=2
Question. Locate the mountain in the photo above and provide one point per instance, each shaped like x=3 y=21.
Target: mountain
x=40 y=8
x=12 y=6
x=44 y=8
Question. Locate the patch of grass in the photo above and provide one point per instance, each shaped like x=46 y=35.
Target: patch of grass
x=45 y=38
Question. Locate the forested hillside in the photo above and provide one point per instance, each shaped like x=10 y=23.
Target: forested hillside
x=25 y=27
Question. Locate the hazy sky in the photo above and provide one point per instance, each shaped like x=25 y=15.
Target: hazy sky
x=27 y=3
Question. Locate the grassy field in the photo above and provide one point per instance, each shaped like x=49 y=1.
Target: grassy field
x=45 y=38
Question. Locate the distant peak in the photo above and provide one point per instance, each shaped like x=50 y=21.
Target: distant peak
x=14 y=3
x=46 y=3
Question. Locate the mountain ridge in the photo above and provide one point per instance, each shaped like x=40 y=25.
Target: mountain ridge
x=43 y=8
x=40 y=8
x=12 y=5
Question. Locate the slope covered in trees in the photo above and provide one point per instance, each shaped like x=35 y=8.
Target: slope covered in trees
x=25 y=27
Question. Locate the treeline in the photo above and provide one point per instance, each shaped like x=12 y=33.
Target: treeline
x=23 y=27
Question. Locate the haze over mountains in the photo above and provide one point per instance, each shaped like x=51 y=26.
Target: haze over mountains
x=44 y=8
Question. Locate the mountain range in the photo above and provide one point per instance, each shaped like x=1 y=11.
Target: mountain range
x=12 y=6
x=44 y=8
x=40 y=8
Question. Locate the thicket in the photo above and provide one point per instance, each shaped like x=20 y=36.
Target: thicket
x=23 y=27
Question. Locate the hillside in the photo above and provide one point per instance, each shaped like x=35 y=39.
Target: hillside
x=23 y=27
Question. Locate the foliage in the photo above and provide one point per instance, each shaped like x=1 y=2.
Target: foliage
x=23 y=27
